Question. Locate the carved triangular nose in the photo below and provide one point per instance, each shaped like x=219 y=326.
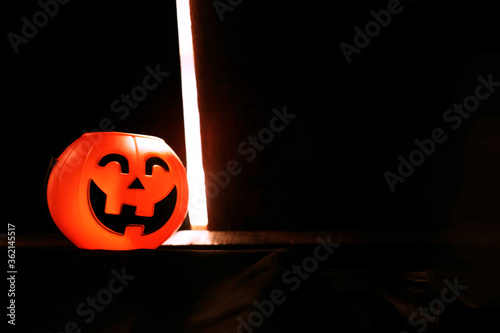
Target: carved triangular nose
x=136 y=184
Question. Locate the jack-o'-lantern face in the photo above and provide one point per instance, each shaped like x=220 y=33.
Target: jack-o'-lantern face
x=118 y=191
x=121 y=199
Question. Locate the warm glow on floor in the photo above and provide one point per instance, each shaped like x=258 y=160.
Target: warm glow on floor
x=196 y=178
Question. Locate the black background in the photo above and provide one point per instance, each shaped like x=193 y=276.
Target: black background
x=325 y=170
x=64 y=80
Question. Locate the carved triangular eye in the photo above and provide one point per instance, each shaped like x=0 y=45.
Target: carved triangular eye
x=150 y=162
x=122 y=160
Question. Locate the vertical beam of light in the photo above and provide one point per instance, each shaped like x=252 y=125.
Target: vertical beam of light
x=196 y=177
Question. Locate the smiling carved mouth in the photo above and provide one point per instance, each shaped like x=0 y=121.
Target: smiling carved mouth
x=163 y=210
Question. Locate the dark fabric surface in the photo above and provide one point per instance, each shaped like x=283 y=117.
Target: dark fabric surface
x=170 y=290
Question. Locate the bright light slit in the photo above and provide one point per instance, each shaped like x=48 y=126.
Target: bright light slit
x=196 y=177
